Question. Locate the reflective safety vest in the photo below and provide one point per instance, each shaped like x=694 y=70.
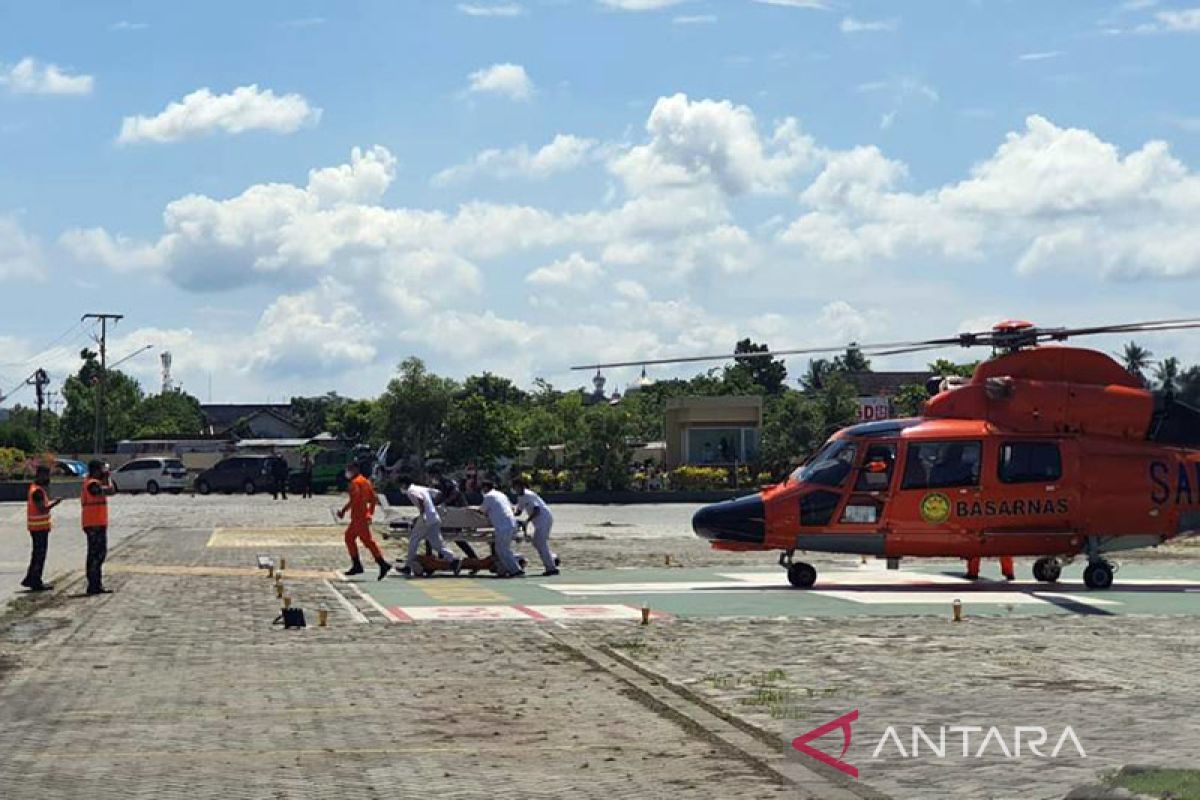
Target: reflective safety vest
x=95 y=506
x=38 y=520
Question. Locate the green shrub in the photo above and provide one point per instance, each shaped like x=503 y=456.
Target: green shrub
x=14 y=464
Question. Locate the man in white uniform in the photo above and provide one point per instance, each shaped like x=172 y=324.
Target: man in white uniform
x=542 y=520
x=427 y=529
x=499 y=512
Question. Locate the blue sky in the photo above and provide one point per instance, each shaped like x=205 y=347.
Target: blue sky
x=540 y=182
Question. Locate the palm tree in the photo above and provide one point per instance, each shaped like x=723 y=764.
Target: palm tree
x=1137 y=360
x=1166 y=374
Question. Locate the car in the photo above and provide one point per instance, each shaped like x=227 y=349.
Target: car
x=151 y=475
x=247 y=474
x=70 y=467
x=328 y=472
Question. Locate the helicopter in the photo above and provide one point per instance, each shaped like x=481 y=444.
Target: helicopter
x=1048 y=451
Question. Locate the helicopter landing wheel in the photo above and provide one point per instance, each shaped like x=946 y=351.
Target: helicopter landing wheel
x=1047 y=570
x=1098 y=575
x=802 y=575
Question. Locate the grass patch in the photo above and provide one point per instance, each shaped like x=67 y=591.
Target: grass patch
x=1167 y=784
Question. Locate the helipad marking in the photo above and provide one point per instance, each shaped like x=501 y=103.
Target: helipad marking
x=354 y=613
x=388 y=614
x=578 y=612
x=462 y=613
x=926 y=598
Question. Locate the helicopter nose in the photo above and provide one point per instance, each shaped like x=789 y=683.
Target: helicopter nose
x=740 y=520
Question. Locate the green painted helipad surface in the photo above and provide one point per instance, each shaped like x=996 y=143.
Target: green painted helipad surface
x=852 y=590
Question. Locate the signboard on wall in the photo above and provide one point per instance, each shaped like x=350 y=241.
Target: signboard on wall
x=871 y=409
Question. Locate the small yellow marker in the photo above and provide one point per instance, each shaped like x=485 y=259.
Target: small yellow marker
x=323 y=617
x=864 y=559
x=958 y=610
x=271 y=571
x=287 y=602
x=667 y=560
x=282 y=563
x=279 y=590
x=645 y=614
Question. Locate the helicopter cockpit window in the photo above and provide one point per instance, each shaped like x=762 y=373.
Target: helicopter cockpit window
x=932 y=465
x=876 y=473
x=1030 y=462
x=830 y=466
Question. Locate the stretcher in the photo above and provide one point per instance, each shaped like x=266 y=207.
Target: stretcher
x=459 y=524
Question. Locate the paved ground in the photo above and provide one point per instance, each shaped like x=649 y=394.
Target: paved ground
x=179 y=685
x=849 y=589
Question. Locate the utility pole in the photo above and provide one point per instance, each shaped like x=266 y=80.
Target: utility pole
x=102 y=340
x=39 y=380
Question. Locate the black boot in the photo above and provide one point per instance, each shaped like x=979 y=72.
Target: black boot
x=355 y=568
x=384 y=568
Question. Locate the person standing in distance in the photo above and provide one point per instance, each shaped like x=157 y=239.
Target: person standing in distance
x=499 y=512
x=37 y=517
x=361 y=506
x=97 y=487
x=538 y=514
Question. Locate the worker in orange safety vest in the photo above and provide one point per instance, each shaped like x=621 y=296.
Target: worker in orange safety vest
x=97 y=487
x=37 y=517
x=361 y=506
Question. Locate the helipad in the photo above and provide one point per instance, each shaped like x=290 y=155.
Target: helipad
x=866 y=590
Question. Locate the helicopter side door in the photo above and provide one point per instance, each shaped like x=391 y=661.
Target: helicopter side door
x=1030 y=499
x=937 y=477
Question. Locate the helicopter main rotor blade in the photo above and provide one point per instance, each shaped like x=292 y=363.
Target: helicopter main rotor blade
x=990 y=338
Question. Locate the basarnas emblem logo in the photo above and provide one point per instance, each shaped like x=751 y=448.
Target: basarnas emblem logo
x=801 y=743
x=935 y=508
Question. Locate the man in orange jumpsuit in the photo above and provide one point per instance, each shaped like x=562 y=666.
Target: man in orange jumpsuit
x=361 y=506
x=1006 y=566
x=93 y=500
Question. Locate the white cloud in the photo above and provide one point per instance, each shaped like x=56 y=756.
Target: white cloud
x=20 y=254
x=694 y=19
x=1047 y=199
x=574 y=271
x=852 y=25
x=304 y=22
x=496 y=10
x=509 y=80
x=564 y=153
x=200 y=113
x=639 y=5
x=706 y=141
x=1060 y=198
x=1184 y=20
x=30 y=76
x=1041 y=55
x=819 y=5
x=126 y=25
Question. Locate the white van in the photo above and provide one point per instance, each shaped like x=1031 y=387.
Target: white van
x=151 y=475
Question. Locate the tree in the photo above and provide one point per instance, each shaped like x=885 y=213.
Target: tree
x=1136 y=360
x=480 y=431
x=1166 y=375
x=22 y=423
x=18 y=436
x=121 y=398
x=818 y=371
x=312 y=413
x=909 y=399
x=839 y=404
x=412 y=410
x=946 y=368
x=599 y=446
x=793 y=427
x=852 y=360
x=351 y=420
x=769 y=374
x=168 y=414
x=494 y=389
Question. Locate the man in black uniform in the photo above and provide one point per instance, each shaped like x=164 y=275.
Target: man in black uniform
x=279 y=477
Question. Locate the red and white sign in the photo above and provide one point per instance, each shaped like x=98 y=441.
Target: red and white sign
x=463 y=613
x=873 y=408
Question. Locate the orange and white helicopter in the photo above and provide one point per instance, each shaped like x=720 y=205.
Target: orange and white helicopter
x=1053 y=452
